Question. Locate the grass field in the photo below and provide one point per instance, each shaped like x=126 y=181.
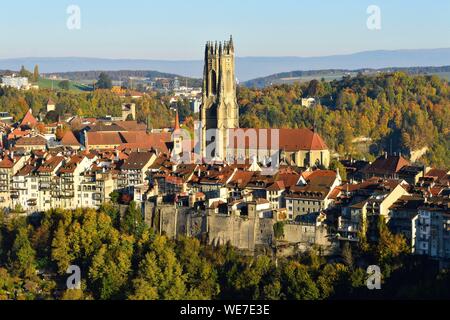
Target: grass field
x=336 y=76
x=444 y=75
x=327 y=77
x=54 y=84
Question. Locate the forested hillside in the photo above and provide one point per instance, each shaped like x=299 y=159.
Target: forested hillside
x=87 y=104
x=120 y=258
x=398 y=112
x=304 y=75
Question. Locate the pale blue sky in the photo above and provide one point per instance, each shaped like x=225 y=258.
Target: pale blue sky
x=178 y=29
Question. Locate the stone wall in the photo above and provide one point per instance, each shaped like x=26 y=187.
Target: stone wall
x=305 y=236
x=238 y=231
x=247 y=233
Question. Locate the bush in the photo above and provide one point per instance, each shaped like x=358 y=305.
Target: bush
x=278 y=230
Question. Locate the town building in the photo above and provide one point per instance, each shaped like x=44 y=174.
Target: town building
x=20 y=83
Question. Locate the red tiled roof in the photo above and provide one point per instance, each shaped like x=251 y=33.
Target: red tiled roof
x=26 y=170
x=242 y=178
x=288 y=179
x=386 y=165
x=276 y=186
x=137 y=160
x=28 y=119
x=290 y=140
x=130 y=140
x=439 y=174
x=118 y=126
x=6 y=163
x=174 y=180
x=31 y=141
x=69 y=139
x=103 y=139
x=319 y=181
x=70 y=166
x=335 y=193
x=18 y=133
x=51 y=164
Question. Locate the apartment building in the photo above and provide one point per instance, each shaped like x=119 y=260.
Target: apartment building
x=134 y=171
x=431 y=230
x=9 y=166
x=313 y=197
x=368 y=201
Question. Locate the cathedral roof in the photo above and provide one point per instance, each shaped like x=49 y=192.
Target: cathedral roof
x=290 y=140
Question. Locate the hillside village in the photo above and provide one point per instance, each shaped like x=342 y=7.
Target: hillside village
x=310 y=200
x=220 y=203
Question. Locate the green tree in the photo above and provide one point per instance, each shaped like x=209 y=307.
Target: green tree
x=332 y=278
x=346 y=254
x=23 y=255
x=65 y=84
x=36 y=73
x=104 y=81
x=160 y=275
x=389 y=246
x=133 y=222
x=297 y=282
x=115 y=196
x=336 y=165
x=111 y=267
x=112 y=211
x=25 y=73
x=278 y=230
x=201 y=277
x=61 y=252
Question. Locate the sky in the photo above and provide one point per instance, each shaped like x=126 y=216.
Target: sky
x=178 y=29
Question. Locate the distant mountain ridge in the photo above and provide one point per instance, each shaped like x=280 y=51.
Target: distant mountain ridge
x=331 y=74
x=246 y=67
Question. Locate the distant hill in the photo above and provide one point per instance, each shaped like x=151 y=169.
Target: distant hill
x=114 y=75
x=334 y=74
x=246 y=67
x=123 y=75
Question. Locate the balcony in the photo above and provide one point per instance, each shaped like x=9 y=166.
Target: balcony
x=14 y=195
x=66 y=194
x=348 y=238
x=97 y=196
x=45 y=186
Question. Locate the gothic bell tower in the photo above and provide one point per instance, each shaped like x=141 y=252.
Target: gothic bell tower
x=219 y=108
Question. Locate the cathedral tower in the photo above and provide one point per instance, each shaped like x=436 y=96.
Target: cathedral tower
x=219 y=108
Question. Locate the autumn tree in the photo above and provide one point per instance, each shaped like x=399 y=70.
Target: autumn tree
x=64 y=84
x=297 y=282
x=133 y=221
x=104 y=81
x=160 y=275
x=111 y=267
x=36 y=73
x=23 y=256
